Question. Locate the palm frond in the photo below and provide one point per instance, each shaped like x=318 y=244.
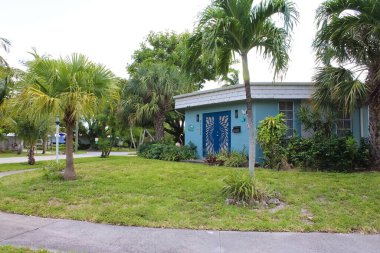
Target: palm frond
x=337 y=88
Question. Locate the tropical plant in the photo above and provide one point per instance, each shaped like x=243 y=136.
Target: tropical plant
x=348 y=44
x=71 y=87
x=108 y=124
x=167 y=152
x=30 y=130
x=243 y=189
x=171 y=51
x=232 y=159
x=5 y=44
x=331 y=153
x=320 y=123
x=227 y=27
x=270 y=135
x=151 y=90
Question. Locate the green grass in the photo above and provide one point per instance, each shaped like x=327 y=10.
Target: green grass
x=11 y=249
x=40 y=164
x=139 y=192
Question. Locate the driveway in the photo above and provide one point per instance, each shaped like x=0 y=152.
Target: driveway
x=21 y=159
x=78 y=236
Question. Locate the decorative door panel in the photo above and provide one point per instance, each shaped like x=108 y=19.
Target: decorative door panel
x=216 y=132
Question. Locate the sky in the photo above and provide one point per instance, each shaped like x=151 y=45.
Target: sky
x=109 y=31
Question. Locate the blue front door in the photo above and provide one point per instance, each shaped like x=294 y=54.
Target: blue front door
x=216 y=132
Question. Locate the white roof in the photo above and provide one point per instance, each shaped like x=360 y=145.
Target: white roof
x=268 y=90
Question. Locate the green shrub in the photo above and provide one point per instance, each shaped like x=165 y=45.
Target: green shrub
x=53 y=170
x=363 y=158
x=211 y=159
x=220 y=158
x=243 y=188
x=229 y=159
x=236 y=159
x=270 y=134
x=328 y=154
x=167 y=152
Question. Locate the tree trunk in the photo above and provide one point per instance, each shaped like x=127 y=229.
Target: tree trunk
x=44 y=142
x=69 y=172
x=374 y=131
x=249 y=103
x=158 y=123
x=374 y=113
x=31 y=159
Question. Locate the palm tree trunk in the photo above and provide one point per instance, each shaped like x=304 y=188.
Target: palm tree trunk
x=158 y=123
x=44 y=142
x=69 y=173
x=249 y=103
x=374 y=132
x=31 y=159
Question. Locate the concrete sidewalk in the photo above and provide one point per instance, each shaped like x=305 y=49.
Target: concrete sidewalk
x=52 y=157
x=78 y=236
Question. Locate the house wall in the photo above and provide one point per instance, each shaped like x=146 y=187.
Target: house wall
x=261 y=110
x=239 y=141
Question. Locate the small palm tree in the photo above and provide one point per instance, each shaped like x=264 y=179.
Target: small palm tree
x=30 y=130
x=70 y=87
x=227 y=27
x=348 y=44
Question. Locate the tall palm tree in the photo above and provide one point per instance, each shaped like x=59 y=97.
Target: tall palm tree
x=227 y=27
x=348 y=44
x=150 y=94
x=70 y=87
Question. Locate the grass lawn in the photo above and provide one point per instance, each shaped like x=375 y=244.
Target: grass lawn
x=11 y=249
x=24 y=154
x=139 y=192
x=39 y=164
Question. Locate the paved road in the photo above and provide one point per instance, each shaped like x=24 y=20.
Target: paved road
x=77 y=236
x=21 y=159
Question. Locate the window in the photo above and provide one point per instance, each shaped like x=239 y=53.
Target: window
x=286 y=107
x=343 y=125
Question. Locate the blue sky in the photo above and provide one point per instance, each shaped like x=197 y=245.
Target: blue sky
x=109 y=31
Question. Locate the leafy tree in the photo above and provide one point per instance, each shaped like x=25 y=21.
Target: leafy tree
x=109 y=124
x=348 y=44
x=227 y=27
x=70 y=87
x=173 y=50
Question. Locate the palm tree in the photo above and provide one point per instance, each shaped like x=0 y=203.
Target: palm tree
x=30 y=130
x=70 y=87
x=150 y=94
x=5 y=44
x=348 y=44
x=227 y=27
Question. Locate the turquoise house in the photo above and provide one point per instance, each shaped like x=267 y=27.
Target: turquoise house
x=215 y=120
